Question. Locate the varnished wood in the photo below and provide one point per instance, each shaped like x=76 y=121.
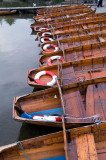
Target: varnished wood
x=76 y=53
x=89 y=14
x=86 y=144
x=52 y=10
x=81 y=69
x=86 y=24
x=72 y=100
x=66 y=13
x=7 y=12
x=76 y=42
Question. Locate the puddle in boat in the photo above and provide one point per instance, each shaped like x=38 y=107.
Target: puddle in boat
x=19 y=52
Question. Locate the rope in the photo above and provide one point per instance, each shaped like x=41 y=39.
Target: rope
x=20 y=145
x=95 y=116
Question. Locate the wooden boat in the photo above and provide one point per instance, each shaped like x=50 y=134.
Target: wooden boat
x=7 y=12
x=87 y=102
x=51 y=10
x=68 y=23
x=62 y=19
x=72 y=20
x=80 y=143
x=63 y=13
x=74 y=54
x=46 y=37
x=65 y=44
x=68 y=73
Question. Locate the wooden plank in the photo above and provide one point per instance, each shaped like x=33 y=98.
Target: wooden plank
x=39 y=155
x=86 y=147
x=65 y=139
x=97 y=102
x=100 y=145
x=73 y=103
x=69 y=74
x=102 y=154
x=72 y=149
x=91 y=147
x=103 y=86
x=90 y=101
x=102 y=100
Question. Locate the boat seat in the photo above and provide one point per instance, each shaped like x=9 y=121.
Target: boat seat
x=73 y=104
x=96 y=100
x=69 y=74
x=82 y=148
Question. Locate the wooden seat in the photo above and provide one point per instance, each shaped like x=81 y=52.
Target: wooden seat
x=82 y=148
x=96 y=100
x=73 y=104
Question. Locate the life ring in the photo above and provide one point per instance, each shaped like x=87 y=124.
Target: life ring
x=47 y=118
x=43 y=29
x=43 y=39
x=49 y=62
x=39 y=74
x=40 y=20
x=46 y=34
x=46 y=46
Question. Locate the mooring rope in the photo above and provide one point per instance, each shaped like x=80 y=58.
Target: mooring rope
x=95 y=116
x=20 y=145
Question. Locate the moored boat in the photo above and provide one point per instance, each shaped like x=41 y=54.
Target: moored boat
x=65 y=44
x=80 y=143
x=7 y=12
x=68 y=73
x=68 y=23
x=61 y=14
x=73 y=54
x=79 y=106
x=51 y=10
x=48 y=36
x=62 y=19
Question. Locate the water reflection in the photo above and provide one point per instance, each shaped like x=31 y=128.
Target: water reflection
x=29 y=131
x=10 y=21
x=19 y=52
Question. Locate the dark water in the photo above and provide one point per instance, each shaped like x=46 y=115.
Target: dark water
x=19 y=52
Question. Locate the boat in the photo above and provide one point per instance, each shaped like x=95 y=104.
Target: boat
x=66 y=13
x=52 y=10
x=62 y=19
x=74 y=54
x=68 y=23
x=68 y=73
x=79 y=143
x=81 y=105
x=65 y=44
x=9 y=12
x=46 y=37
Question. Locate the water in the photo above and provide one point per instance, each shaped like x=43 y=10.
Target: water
x=19 y=52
